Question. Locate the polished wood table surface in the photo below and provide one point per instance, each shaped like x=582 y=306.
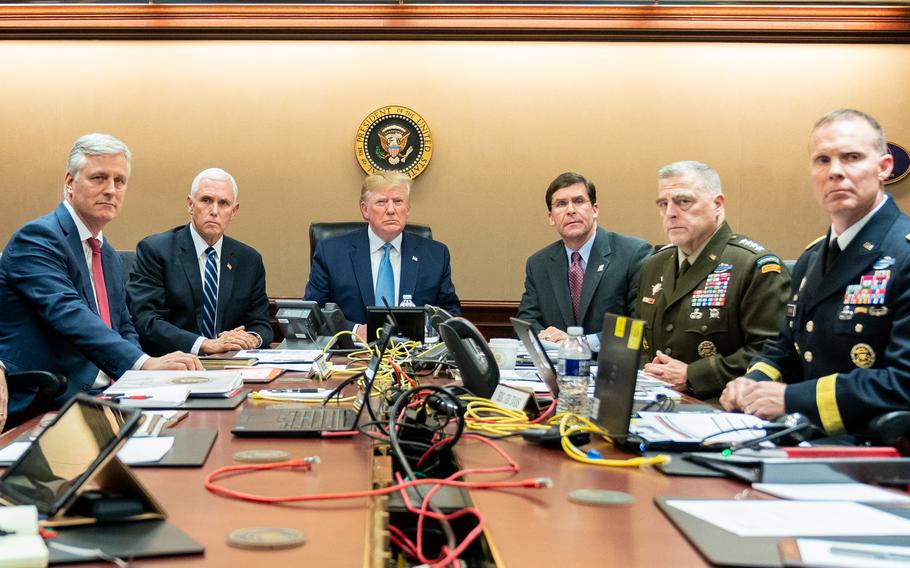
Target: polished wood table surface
x=526 y=527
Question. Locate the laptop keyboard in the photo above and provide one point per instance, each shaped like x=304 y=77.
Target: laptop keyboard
x=313 y=419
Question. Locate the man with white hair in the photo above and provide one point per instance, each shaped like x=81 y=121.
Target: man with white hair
x=192 y=288
x=62 y=296
x=711 y=297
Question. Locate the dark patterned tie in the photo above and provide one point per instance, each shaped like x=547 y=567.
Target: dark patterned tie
x=576 y=278
x=210 y=294
x=833 y=253
x=686 y=265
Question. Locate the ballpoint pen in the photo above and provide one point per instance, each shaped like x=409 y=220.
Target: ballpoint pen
x=116 y=397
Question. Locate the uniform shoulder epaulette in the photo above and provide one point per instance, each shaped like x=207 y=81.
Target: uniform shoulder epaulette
x=747 y=243
x=815 y=242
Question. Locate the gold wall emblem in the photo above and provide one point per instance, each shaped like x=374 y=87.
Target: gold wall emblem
x=393 y=138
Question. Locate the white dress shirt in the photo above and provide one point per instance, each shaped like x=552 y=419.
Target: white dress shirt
x=376 y=245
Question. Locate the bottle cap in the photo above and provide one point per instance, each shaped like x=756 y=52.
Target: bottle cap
x=576 y=330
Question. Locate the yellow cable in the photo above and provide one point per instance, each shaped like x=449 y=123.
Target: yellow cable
x=582 y=424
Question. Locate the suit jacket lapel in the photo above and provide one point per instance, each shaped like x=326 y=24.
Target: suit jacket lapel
x=856 y=259
x=698 y=272
x=190 y=263
x=598 y=263
x=77 y=254
x=410 y=265
x=225 y=280
x=363 y=271
x=559 y=281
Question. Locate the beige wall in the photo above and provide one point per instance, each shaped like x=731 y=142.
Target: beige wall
x=506 y=118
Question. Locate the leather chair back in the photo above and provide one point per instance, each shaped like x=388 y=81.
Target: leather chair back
x=321 y=231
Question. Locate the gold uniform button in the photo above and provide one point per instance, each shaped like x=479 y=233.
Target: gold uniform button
x=669 y=327
x=807 y=356
x=668 y=351
x=858 y=327
x=810 y=326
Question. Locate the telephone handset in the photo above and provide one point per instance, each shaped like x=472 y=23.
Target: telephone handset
x=472 y=355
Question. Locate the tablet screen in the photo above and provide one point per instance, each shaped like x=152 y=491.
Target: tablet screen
x=63 y=456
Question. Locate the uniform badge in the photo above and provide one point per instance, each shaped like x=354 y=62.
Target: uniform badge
x=791 y=310
x=600 y=268
x=870 y=291
x=714 y=313
x=883 y=263
x=768 y=263
x=749 y=243
x=845 y=314
x=878 y=311
x=862 y=355
x=707 y=349
x=647 y=300
x=696 y=314
x=656 y=288
x=229 y=267
x=723 y=267
x=644 y=344
x=868 y=246
x=712 y=256
x=715 y=291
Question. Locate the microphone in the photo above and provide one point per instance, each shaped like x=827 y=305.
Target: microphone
x=794 y=427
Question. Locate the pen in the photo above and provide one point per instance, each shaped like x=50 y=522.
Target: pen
x=116 y=397
x=873 y=554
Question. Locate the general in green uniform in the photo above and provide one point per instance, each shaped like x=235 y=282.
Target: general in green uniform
x=712 y=297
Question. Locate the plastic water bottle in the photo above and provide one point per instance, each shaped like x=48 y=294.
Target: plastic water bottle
x=574 y=374
x=407 y=302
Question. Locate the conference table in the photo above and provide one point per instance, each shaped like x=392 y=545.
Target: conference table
x=525 y=527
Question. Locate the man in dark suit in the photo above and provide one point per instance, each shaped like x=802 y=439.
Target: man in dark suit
x=841 y=357
x=62 y=295
x=382 y=261
x=589 y=272
x=193 y=288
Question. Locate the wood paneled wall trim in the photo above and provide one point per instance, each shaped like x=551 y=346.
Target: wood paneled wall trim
x=490 y=317
x=392 y=21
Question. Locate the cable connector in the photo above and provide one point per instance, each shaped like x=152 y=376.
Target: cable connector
x=543 y=483
x=312 y=460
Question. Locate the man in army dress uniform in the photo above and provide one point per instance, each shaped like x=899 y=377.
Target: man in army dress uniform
x=711 y=297
x=843 y=355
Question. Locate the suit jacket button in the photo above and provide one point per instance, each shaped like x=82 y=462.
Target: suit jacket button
x=669 y=327
x=807 y=356
x=810 y=326
x=704 y=328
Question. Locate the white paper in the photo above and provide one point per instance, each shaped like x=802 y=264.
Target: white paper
x=12 y=452
x=303 y=367
x=697 y=426
x=280 y=355
x=25 y=548
x=525 y=379
x=163 y=396
x=859 y=492
x=833 y=554
x=320 y=394
x=795 y=518
x=200 y=383
x=145 y=450
x=255 y=373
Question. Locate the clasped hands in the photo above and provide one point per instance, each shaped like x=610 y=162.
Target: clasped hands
x=234 y=340
x=764 y=399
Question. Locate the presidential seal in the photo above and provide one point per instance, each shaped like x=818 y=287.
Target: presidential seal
x=862 y=355
x=393 y=138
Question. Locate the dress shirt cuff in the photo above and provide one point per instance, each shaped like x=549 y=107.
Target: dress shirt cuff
x=197 y=345
x=593 y=341
x=258 y=337
x=137 y=366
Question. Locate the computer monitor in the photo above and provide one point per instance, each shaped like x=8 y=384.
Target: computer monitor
x=299 y=319
x=410 y=322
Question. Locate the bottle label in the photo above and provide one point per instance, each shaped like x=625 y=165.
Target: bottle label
x=575 y=367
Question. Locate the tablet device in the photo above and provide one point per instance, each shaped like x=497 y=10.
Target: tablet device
x=411 y=322
x=85 y=435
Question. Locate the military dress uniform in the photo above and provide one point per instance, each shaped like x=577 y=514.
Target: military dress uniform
x=716 y=316
x=844 y=350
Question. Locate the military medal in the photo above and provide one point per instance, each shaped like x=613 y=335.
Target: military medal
x=862 y=355
x=871 y=289
x=883 y=263
x=656 y=288
x=707 y=349
x=714 y=293
x=845 y=314
x=696 y=314
x=714 y=313
x=878 y=311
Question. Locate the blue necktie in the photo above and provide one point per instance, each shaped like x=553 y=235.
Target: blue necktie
x=385 y=279
x=210 y=294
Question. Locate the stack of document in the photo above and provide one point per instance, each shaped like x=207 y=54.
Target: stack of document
x=221 y=384
x=713 y=427
x=21 y=547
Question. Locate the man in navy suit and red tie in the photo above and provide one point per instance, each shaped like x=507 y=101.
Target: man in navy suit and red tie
x=382 y=261
x=195 y=289
x=62 y=294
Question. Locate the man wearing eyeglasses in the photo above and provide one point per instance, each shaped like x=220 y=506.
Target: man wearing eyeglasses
x=589 y=272
x=380 y=263
x=711 y=297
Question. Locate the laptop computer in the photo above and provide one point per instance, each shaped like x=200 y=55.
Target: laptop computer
x=538 y=355
x=411 y=322
x=269 y=422
x=617 y=373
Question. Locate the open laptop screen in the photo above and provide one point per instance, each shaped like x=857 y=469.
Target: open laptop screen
x=537 y=353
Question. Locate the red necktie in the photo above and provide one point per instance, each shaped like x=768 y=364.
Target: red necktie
x=576 y=277
x=98 y=277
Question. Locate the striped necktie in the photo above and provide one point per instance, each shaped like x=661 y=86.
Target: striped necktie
x=210 y=293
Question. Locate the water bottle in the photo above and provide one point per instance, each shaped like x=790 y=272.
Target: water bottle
x=407 y=302
x=574 y=373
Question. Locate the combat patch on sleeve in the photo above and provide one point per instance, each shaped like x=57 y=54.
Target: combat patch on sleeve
x=768 y=263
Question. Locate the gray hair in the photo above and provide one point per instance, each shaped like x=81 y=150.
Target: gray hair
x=214 y=174
x=710 y=181
x=840 y=114
x=95 y=144
x=384 y=178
